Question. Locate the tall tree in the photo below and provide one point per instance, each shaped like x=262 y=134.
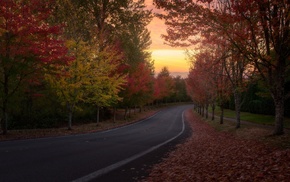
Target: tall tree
x=105 y=16
x=93 y=76
x=200 y=80
x=28 y=46
x=135 y=41
x=268 y=47
x=258 y=29
x=139 y=90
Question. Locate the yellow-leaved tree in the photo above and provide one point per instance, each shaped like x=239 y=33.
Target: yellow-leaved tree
x=90 y=78
x=93 y=76
x=107 y=81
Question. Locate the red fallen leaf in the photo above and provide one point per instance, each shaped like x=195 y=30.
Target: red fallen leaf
x=260 y=175
x=209 y=155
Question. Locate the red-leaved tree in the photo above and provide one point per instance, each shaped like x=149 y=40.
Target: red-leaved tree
x=256 y=30
x=28 y=46
x=163 y=85
x=139 y=88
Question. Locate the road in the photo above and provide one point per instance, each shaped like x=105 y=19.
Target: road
x=88 y=156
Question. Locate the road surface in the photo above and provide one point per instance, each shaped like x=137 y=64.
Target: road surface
x=88 y=156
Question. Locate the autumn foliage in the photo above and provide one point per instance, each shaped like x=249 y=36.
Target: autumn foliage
x=252 y=37
x=27 y=34
x=71 y=59
x=29 y=45
x=140 y=81
x=163 y=85
x=209 y=155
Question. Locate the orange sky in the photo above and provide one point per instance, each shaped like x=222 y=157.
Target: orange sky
x=164 y=55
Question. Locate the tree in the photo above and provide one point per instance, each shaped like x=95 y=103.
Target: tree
x=97 y=70
x=135 y=36
x=268 y=48
x=28 y=46
x=139 y=89
x=258 y=29
x=180 y=94
x=200 y=80
x=69 y=81
x=164 y=85
x=135 y=40
x=105 y=83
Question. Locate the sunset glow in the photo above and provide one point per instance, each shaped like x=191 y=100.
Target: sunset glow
x=164 y=55
x=173 y=59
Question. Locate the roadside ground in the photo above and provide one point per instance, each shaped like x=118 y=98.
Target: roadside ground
x=213 y=152
x=79 y=128
x=217 y=152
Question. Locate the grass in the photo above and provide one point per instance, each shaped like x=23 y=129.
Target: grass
x=254 y=118
x=250 y=131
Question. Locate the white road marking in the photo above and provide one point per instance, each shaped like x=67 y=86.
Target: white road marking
x=105 y=170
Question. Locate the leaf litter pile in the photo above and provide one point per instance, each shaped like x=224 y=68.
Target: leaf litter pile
x=209 y=155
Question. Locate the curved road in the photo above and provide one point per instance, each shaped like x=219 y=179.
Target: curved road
x=88 y=156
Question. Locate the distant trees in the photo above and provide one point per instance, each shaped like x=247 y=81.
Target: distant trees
x=163 y=85
x=255 y=35
x=207 y=82
x=75 y=57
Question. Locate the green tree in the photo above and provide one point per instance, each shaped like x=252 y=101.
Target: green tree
x=180 y=94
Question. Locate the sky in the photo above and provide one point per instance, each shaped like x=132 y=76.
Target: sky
x=164 y=55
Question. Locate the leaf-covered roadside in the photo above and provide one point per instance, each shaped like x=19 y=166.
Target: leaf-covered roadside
x=209 y=155
x=77 y=129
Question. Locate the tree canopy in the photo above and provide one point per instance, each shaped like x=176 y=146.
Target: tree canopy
x=255 y=31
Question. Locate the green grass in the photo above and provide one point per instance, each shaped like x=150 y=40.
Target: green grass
x=254 y=118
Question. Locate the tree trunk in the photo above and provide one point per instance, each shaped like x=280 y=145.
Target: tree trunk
x=129 y=112
x=213 y=109
x=238 y=96
x=279 y=117
x=222 y=115
x=98 y=115
x=4 y=122
x=278 y=94
x=125 y=114
x=199 y=110
x=70 y=114
x=114 y=114
x=279 y=99
x=206 y=111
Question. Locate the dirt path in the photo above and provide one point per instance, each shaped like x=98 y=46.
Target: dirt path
x=209 y=155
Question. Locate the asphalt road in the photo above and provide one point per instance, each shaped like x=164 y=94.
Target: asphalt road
x=93 y=156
